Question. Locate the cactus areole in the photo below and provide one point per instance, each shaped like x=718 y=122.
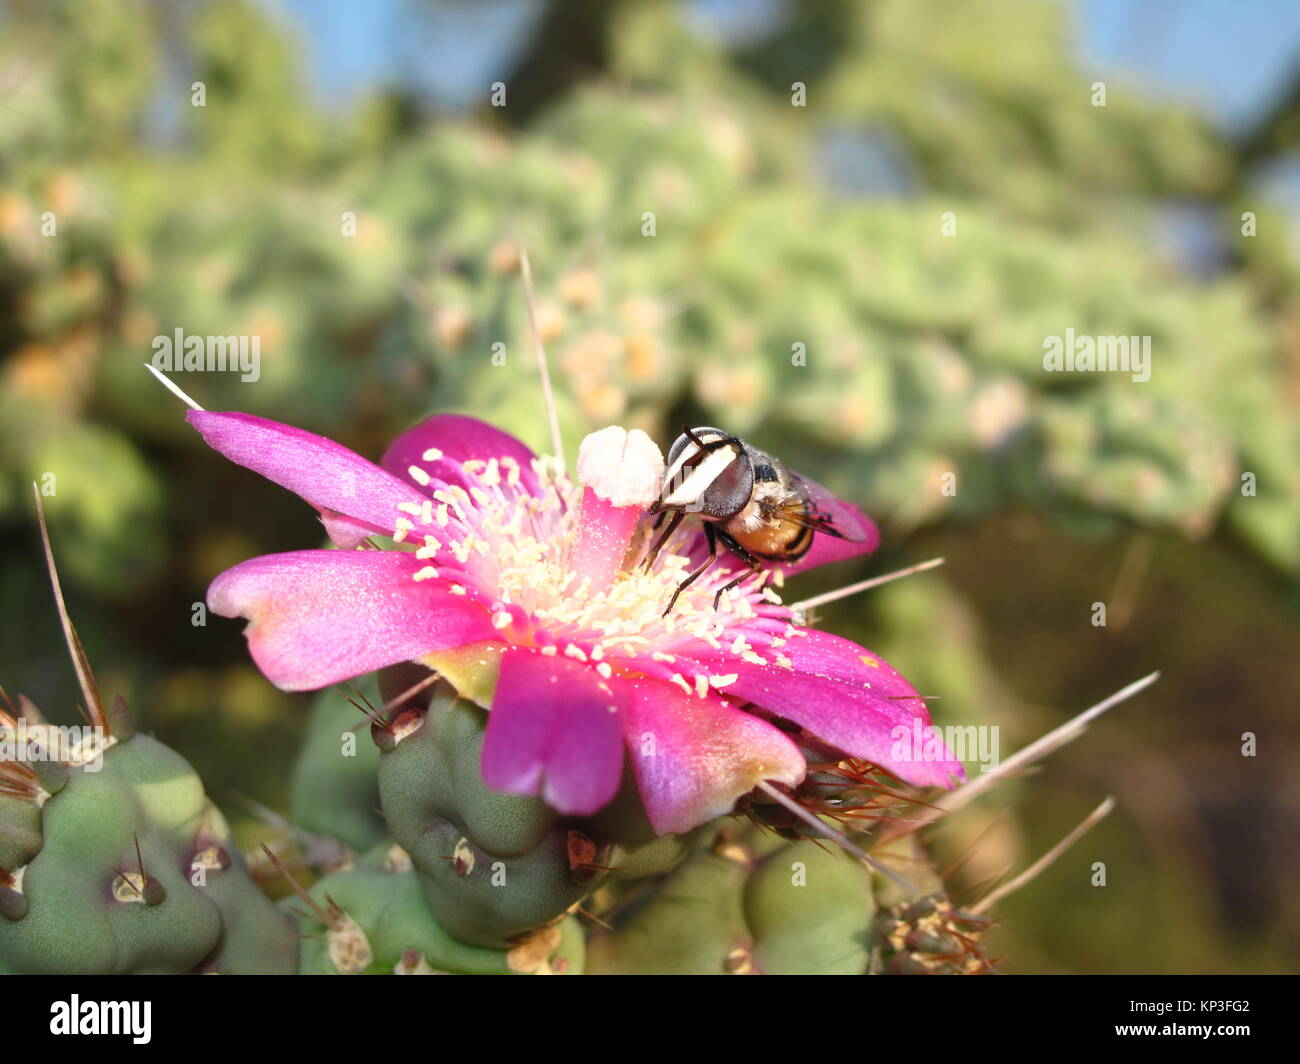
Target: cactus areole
x=523 y=588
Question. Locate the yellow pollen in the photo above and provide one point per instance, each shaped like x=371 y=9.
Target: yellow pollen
x=426 y=512
x=456 y=589
x=576 y=652
x=723 y=681
x=409 y=508
x=605 y=670
x=432 y=455
x=548 y=652
x=427 y=573
x=403 y=527
x=659 y=655
x=449 y=499
x=680 y=680
x=701 y=685
x=502 y=620
x=419 y=475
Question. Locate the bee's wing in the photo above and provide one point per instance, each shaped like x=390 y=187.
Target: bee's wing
x=843 y=531
x=824 y=513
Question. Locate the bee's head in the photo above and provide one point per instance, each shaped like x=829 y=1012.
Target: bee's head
x=709 y=472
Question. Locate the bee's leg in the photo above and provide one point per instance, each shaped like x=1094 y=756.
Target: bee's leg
x=711 y=534
x=755 y=565
x=659 y=544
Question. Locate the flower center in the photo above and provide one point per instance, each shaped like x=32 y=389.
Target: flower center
x=525 y=554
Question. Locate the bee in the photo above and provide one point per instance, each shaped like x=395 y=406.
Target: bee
x=747 y=500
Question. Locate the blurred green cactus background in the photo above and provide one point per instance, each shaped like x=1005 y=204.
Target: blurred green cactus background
x=841 y=229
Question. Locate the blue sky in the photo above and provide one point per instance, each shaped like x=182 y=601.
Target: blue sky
x=1230 y=57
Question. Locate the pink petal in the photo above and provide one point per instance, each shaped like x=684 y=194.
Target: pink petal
x=555 y=726
x=317 y=617
x=847 y=697
x=693 y=757
x=324 y=473
x=836 y=658
x=460 y=439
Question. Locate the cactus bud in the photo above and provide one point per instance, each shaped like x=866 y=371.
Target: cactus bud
x=121 y=721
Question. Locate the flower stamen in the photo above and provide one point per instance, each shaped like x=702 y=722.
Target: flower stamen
x=559 y=551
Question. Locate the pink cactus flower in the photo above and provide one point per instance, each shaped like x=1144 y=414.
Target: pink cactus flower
x=523 y=588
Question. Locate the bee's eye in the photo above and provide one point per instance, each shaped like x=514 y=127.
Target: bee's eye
x=728 y=492
x=702 y=479
x=703 y=434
